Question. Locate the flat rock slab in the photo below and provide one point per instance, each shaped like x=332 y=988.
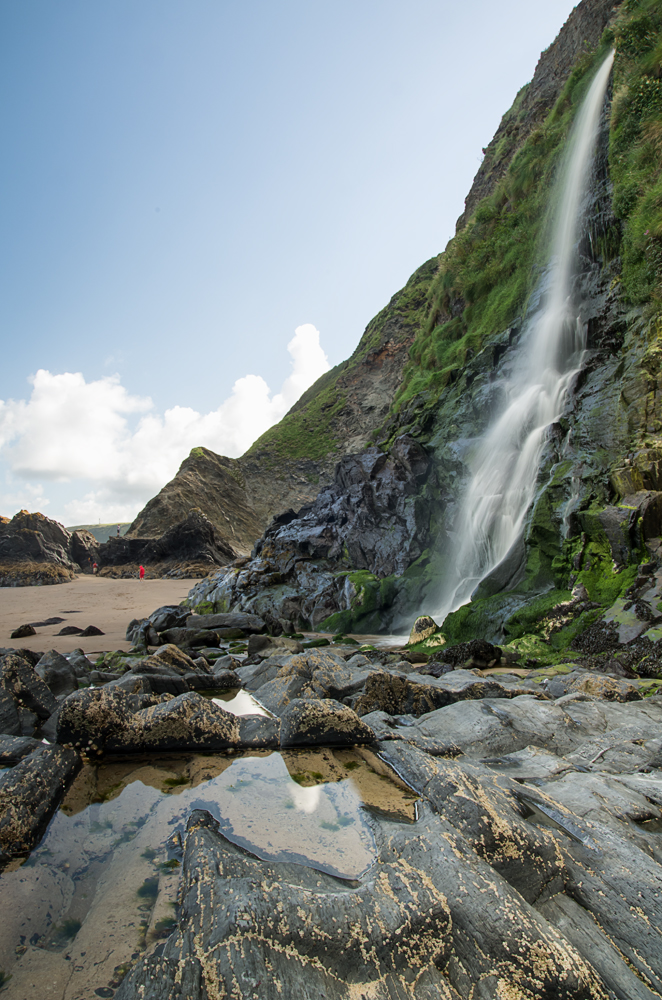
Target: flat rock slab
x=416 y=695
x=497 y=726
x=406 y=929
x=235 y=619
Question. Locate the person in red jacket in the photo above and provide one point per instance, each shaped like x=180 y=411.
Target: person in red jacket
x=142 y=572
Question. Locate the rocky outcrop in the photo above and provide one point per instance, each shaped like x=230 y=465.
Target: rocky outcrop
x=374 y=517
x=530 y=872
x=309 y=722
x=215 y=485
x=191 y=547
x=36 y=550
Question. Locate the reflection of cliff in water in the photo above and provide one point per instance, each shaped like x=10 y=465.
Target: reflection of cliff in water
x=505 y=462
x=101 y=888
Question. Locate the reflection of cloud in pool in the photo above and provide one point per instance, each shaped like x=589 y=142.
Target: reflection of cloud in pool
x=109 y=840
x=241 y=703
x=260 y=807
x=306 y=799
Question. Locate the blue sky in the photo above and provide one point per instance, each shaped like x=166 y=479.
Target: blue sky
x=184 y=185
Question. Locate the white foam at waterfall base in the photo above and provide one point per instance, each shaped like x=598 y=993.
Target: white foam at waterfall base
x=504 y=463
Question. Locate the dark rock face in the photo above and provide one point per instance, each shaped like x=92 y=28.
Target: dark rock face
x=35 y=538
x=9 y=720
x=192 y=542
x=84 y=549
x=370 y=516
x=34 y=549
x=373 y=517
x=57 y=673
x=316 y=722
x=214 y=484
x=26 y=687
x=79 y=662
x=13 y=749
x=30 y=792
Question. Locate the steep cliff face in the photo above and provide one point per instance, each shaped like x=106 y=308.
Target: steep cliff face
x=352 y=406
x=606 y=446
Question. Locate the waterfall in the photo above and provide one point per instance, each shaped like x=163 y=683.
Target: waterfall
x=504 y=464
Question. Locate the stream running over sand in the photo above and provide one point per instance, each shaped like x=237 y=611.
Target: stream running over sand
x=505 y=462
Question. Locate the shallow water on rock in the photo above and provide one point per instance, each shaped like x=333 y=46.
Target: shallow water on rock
x=239 y=702
x=101 y=888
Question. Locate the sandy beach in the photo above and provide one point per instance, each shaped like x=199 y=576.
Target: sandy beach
x=88 y=600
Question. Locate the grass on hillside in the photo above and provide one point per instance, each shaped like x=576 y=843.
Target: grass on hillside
x=488 y=269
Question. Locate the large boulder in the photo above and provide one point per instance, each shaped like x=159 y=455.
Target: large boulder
x=168 y=616
x=10 y=724
x=317 y=722
x=87 y=719
x=175 y=657
x=188 y=722
x=79 y=662
x=26 y=687
x=110 y=720
x=390 y=692
x=57 y=673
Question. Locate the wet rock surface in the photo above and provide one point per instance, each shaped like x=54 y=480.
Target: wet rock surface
x=19 y=679
x=317 y=722
x=537 y=831
x=372 y=517
x=111 y=720
x=57 y=673
x=30 y=792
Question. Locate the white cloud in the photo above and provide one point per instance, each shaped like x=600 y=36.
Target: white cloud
x=71 y=430
x=24 y=497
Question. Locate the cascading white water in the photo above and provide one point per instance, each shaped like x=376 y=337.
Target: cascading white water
x=505 y=463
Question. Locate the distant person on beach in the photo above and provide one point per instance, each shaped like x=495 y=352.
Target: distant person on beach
x=95 y=568
x=142 y=572
x=118 y=531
